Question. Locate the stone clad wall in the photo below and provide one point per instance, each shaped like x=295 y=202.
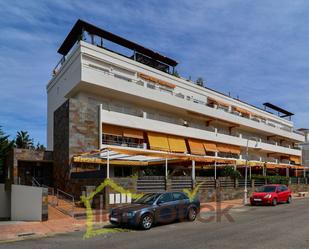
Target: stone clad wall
x=61 y=146
x=16 y=155
x=83 y=125
x=76 y=131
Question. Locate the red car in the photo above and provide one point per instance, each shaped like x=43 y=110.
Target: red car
x=271 y=194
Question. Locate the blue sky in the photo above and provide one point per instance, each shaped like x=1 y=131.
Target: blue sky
x=258 y=50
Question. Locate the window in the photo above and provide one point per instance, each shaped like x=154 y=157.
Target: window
x=165 y=198
x=179 y=196
x=283 y=188
x=147 y=199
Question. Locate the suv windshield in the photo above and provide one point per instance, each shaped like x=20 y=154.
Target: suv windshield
x=266 y=189
x=147 y=199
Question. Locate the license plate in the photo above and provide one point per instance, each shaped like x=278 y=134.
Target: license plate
x=257 y=199
x=114 y=219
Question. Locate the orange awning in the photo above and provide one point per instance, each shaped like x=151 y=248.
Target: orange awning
x=158 y=141
x=297 y=167
x=243 y=111
x=196 y=147
x=112 y=130
x=295 y=159
x=177 y=144
x=128 y=132
x=223 y=148
x=209 y=146
x=234 y=149
x=217 y=102
x=156 y=80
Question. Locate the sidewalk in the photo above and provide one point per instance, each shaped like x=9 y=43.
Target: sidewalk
x=57 y=223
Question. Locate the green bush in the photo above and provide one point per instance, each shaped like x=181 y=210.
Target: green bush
x=231 y=172
x=272 y=179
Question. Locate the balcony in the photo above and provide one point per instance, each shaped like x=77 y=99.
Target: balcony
x=153 y=124
x=133 y=78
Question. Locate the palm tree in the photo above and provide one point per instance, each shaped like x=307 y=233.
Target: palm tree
x=23 y=140
x=5 y=146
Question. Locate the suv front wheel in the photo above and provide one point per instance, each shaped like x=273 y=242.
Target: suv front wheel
x=146 y=221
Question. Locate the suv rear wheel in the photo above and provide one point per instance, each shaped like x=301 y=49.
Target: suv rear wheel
x=289 y=200
x=146 y=221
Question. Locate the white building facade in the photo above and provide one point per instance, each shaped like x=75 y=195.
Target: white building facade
x=110 y=99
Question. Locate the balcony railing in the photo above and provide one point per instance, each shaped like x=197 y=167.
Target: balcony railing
x=205 y=128
x=172 y=92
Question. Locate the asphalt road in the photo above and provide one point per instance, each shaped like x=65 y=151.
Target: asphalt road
x=283 y=226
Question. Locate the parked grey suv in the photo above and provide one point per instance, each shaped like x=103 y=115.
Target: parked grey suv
x=155 y=208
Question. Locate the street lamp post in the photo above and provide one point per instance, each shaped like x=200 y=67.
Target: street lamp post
x=245 y=201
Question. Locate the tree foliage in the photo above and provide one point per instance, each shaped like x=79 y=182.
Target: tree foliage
x=40 y=147
x=231 y=172
x=23 y=140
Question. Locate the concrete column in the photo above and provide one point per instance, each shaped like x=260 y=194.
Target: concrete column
x=287 y=172
x=250 y=172
x=100 y=126
x=166 y=171
x=107 y=165
x=264 y=171
x=193 y=174
x=215 y=170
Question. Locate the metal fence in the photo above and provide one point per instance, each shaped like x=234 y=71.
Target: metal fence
x=151 y=184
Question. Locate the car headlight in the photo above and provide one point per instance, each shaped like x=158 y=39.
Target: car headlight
x=267 y=196
x=129 y=214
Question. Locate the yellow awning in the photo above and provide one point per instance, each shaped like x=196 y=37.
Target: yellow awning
x=128 y=132
x=112 y=129
x=158 y=141
x=196 y=147
x=275 y=165
x=209 y=146
x=93 y=160
x=177 y=144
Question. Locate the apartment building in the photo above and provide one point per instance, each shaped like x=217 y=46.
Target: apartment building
x=114 y=112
